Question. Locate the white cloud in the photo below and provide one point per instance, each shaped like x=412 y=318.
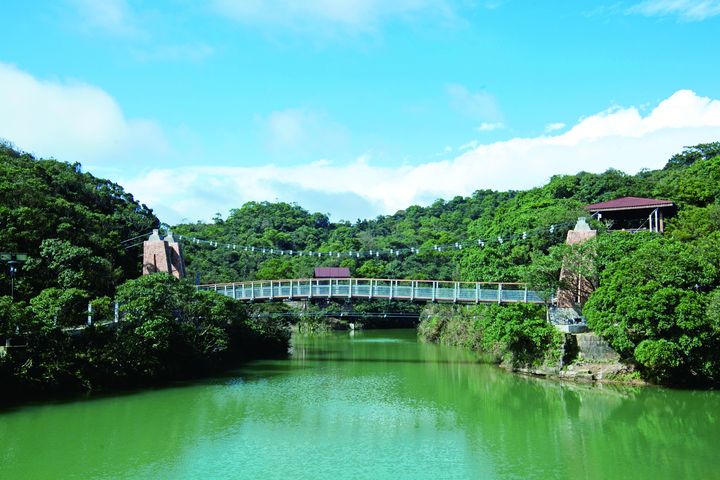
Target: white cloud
x=349 y=14
x=553 y=127
x=109 y=16
x=71 y=121
x=620 y=138
x=688 y=10
x=480 y=105
x=193 y=52
x=490 y=126
x=302 y=130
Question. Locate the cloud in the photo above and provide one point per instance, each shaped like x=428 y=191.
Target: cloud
x=688 y=10
x=70 y=120
x=352 y=15
x=108 y=16
x=552 y=127
x=192 y=52
x=480 y=105
x=302 y=131
x=489 y=127
x=619 y=138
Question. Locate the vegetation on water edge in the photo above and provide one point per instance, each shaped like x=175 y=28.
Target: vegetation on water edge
x=516 y=334
x=82 y=236
x=168 y=331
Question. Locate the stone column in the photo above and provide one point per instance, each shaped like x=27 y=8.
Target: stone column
x=162 y=255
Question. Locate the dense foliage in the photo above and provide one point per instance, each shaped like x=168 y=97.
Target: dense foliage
x=516 y=334
x=168 y=330
x=82 y=236
x=656 y=302
x=70 y=223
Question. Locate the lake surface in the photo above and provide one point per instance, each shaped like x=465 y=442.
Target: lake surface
x=375 y=405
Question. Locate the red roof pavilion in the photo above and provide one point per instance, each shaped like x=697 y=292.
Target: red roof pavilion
x=629 y=203
x=633 y=213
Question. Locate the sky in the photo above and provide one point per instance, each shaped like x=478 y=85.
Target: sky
x=354 y=108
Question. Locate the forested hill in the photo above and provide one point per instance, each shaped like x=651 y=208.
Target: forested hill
x=657 y=297
x=657 y=301
x=691 y=179
x=70 y=223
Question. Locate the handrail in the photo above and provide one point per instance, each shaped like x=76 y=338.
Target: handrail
x=369 y=288
x=221 y=284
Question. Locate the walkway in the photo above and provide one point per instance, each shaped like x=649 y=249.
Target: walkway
x=369 y=288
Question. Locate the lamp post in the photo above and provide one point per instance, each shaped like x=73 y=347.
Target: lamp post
x=13 y=260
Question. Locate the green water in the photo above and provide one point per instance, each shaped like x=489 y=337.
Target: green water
x=375 y=405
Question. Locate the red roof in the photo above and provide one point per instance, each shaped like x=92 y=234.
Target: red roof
x=628 y=203
x=332 y=272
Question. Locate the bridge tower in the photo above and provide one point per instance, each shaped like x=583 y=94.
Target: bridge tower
x=163 y=255
x=575 y=288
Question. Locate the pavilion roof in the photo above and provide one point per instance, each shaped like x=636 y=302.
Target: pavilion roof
x=628 y=203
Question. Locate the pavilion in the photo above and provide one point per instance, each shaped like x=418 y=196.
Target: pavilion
x=633 y=213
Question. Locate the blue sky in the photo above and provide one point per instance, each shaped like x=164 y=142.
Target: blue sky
x=354 y=107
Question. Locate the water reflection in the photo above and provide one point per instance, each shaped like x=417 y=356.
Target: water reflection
x=373 y=405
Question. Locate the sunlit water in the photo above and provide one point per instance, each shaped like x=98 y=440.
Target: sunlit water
x=374 y=405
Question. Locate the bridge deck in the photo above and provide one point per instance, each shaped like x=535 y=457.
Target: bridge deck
x=368 y=288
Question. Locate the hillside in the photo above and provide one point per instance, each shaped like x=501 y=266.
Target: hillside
x=657 y=301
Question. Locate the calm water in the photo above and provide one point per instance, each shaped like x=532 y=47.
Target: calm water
x=375 y=405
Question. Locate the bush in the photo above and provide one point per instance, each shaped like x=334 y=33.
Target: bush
x=517 y=333
x=652 y=308
x=65 y=308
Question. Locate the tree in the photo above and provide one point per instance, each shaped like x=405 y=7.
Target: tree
x=651 y=308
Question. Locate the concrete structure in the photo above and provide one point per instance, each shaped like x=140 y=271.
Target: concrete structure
x=163 y=255
x=576 y=288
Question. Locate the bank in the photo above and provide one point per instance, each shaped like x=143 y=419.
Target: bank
x=519 y=339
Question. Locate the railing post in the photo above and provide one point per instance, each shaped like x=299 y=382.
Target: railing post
x=116 y=316
x=499 y=300
x=252 y=291
x=477 y=293
x=456 y=287
x=391 y=289
x=434 y=290
x=525 y=295
x=412 y=290
x=215 y=287
x=371 y=288
x=291 y=293
x=310 y=289
x=225 y=290
x=234 y=292
x=350 y=288
x=89 y=319
x=271 y=290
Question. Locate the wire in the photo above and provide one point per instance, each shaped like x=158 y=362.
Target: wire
x=385 y=253
x=135 y=238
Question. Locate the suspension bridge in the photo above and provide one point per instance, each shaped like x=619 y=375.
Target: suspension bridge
x=375 y=288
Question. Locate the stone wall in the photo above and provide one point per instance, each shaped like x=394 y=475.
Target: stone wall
x=592 y=348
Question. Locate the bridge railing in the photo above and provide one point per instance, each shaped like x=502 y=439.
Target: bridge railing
x=392 y=289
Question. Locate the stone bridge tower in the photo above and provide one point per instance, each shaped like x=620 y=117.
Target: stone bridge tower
x=575 y=288
x=163 y=255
